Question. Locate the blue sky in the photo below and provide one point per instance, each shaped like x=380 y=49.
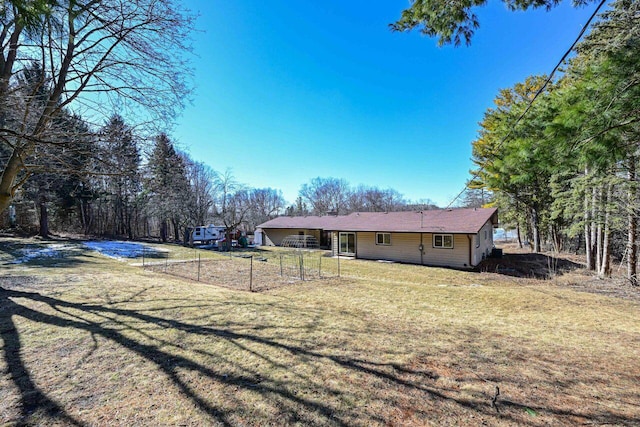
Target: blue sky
x=289 y=91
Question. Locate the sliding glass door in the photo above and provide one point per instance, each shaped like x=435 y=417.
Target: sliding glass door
x=347 y=243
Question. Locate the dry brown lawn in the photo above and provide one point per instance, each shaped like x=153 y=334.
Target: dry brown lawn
x=87 y=340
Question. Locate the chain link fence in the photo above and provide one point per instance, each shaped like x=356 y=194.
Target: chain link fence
x=246 y=270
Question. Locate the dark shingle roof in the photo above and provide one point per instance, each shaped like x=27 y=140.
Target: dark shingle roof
x=463 y=221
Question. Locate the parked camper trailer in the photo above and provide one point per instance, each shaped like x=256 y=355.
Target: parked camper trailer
x=207 y=234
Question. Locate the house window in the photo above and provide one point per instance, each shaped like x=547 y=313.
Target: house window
x=383 y=239
x=443 y=241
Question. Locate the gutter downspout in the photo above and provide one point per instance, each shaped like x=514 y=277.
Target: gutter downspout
x=469 y=238
x=421 y=250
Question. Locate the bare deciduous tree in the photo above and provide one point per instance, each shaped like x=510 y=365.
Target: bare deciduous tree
x=231 y=203
x=265 y=204
x=201 y=178
x=92 y=55
x=326 y=195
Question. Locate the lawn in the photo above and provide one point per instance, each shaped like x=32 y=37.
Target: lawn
x=91 y=340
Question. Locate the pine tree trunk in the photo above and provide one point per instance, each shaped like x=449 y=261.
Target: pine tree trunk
x=599 y=236
x=536 y=230
x=632 y=246
x=519 y=235
x=557 y=239
x=588 y=242
x=605 y=262
x=592 y=226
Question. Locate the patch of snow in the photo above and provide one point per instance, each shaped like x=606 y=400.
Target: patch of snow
x=117 y=249
x=52 y=251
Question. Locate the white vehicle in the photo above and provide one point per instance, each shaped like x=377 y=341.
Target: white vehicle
x=207 y=234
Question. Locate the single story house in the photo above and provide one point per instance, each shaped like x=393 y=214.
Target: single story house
x=459 y=238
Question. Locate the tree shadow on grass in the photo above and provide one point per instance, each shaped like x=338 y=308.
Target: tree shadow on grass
x=82 y=317
x=34 y=399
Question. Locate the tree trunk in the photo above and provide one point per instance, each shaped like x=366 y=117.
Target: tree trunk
x=519 y=235
x=87 y=217
x=44 y=219
x=588 y=242
x=129 y=227
x=163 y=231
x=599 y=236
x=536 y=230
x=8 y=178
x=592 y=224
x=176 y=230
x=14 y=164
x=557 y=239
x=83 y=217
x=632 y=246
x=605 y=262
x=578 y=244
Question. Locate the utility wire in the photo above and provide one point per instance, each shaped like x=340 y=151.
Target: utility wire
x=537 y=94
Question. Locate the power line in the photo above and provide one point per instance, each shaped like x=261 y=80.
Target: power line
x=542 y=88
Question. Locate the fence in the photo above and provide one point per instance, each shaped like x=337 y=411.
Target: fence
x=248 y=270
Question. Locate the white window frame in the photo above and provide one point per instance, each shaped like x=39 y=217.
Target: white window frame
x=442 y=240
x=383 y=243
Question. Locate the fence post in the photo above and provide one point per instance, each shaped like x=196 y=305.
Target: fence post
x=281 y=272
x=198 y=267
x=320 y=266
x=301 y=266
x=338 y=264
x=251 y=275
x=143 y=251
x=166 y=261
